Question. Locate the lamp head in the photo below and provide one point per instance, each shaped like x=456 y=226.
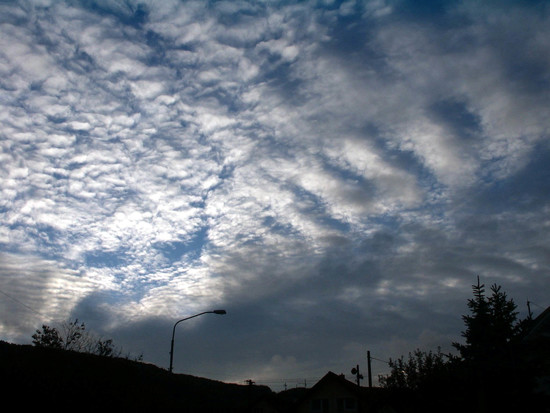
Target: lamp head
x=219 y=312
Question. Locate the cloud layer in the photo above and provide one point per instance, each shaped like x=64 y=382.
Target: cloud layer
x=334 y=174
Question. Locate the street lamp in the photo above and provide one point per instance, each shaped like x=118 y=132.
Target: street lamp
x=183 y=319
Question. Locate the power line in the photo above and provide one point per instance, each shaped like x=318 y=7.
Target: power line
x=297 y=380
x=383 y=361
x=540 y=306
x=22 y=303
x=286 y=383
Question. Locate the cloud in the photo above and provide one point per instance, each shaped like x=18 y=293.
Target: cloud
x=332 y=173
x=50 y=292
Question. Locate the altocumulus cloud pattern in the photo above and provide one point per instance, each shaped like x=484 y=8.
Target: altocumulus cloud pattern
x=334 y=174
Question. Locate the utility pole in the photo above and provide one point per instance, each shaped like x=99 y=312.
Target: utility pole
x=369 y=369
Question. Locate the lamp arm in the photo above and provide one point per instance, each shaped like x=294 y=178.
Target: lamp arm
x=174 y=333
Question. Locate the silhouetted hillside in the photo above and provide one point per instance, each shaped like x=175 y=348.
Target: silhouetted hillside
x=43 y=378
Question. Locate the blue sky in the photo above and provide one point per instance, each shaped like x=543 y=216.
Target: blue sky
x=334 y=174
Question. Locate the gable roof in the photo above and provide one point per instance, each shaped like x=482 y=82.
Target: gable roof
x=338 y=379
x=373 y=397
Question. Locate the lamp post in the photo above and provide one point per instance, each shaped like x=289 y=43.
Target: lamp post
x=183 y=319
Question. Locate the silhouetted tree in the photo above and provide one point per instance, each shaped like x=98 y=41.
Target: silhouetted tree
x=491 y=325
x=418 y=371
x=73 y=336
x=491 y=353
x=48 y=337
x=430 y=378
x=488 y=370
x=105 y=348
x=76 y=337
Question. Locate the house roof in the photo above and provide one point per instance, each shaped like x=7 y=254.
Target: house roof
x=340 y=379
x=370 y=396
x=540 y=327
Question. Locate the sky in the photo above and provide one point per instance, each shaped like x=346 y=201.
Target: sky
x=333 y=174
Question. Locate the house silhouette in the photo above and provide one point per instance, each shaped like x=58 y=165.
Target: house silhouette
x=335 y=394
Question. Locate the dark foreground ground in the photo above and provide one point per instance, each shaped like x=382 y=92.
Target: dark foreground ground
x=42 y=379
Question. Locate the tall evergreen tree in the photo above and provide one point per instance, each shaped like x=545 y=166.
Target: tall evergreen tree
x=491 y=325
x=490 y=351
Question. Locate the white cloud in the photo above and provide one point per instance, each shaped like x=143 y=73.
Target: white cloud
x=49 y=292
x=289 y=154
